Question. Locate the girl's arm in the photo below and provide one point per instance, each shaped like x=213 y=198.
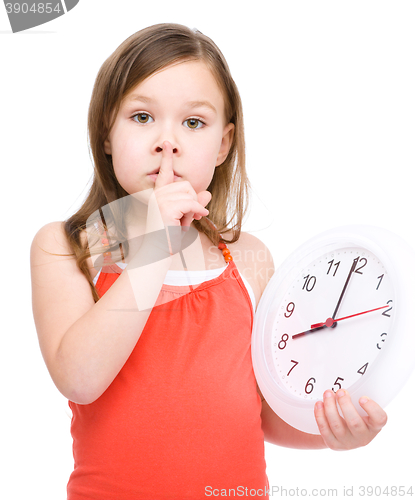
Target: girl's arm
x=336 y=432
x=276 y=431
x=85 y=344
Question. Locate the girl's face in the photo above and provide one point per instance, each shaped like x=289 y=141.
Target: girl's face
x=181 y=104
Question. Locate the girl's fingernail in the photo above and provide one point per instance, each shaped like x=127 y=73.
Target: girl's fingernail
x=319 y=405
x=363 y=400
x=328 y=394
x=341 y=393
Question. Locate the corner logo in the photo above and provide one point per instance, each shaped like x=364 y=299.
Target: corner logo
x=27 y=14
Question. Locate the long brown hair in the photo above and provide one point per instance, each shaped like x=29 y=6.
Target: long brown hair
x=136 y=59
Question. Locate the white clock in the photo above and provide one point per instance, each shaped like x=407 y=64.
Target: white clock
x=338 y=313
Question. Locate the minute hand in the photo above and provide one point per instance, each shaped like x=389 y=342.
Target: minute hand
x=355 y=261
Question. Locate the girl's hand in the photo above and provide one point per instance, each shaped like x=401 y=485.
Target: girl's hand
x=177 y=202
x=352 y=431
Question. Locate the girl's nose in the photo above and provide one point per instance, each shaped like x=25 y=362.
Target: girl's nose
x=159 y=148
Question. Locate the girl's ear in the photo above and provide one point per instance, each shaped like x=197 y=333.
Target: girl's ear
x=107 y=146
x=226 y=144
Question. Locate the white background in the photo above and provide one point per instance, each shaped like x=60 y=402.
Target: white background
x=329 y=106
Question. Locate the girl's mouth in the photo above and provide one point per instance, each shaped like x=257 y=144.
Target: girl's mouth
x=153 y=176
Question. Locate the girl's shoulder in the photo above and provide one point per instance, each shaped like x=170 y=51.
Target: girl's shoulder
x=251 y=256
x=254 y=261
x=53 y=236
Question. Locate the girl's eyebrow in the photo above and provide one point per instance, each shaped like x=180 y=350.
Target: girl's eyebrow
x=190 y=104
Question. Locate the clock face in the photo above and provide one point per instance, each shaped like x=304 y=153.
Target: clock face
x=337 y=313
x=331 y=323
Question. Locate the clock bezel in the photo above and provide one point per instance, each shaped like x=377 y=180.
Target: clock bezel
x=382 y=382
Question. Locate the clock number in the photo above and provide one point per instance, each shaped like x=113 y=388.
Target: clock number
x=385 y=313
x=362 y=266
x=290 y=309
x=337 y=383
x=309 y=386
x=380 y=278
x=362 y=370
x=336 y=265
x=283 y=342
x=383 y=340
x=310 y=281
x=292 y=368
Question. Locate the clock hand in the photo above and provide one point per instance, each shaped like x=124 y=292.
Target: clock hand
x=355 y=261
x=310 y=331
x=333 y=324
x=330 y=321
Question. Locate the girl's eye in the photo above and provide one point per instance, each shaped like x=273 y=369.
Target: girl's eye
x=194 y=123
x=142 y=118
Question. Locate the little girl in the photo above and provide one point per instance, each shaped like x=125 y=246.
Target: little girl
x=150 y=339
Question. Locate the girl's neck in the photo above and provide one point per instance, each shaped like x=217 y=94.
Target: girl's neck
x=200 y=254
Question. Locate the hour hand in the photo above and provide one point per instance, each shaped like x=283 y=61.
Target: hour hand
x=313 y=329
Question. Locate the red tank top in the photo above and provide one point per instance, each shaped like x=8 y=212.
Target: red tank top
x=182 y=419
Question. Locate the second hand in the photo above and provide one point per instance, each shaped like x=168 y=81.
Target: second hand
x=330 y=321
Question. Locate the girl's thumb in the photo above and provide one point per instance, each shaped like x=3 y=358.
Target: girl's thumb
x=204 y=197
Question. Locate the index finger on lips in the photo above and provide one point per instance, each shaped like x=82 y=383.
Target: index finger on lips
x=166 y=173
